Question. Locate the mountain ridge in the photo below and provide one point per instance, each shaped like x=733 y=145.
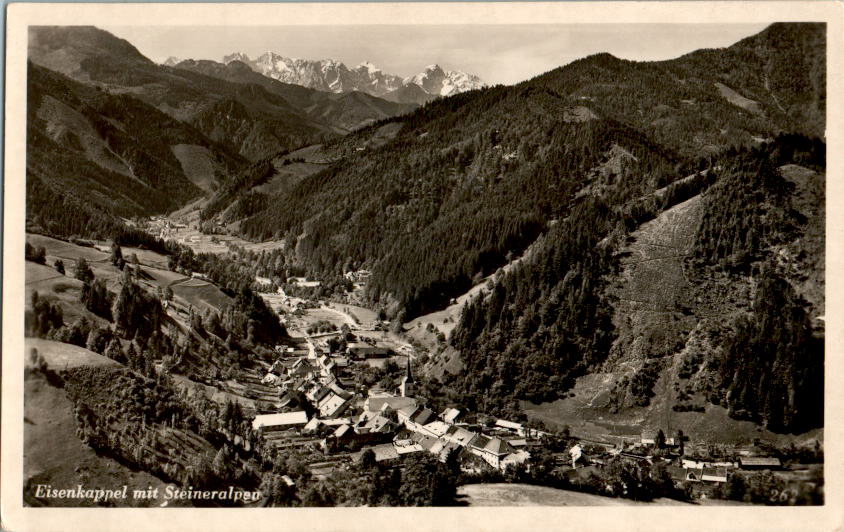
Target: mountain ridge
x=334 y=76
x=274 y=117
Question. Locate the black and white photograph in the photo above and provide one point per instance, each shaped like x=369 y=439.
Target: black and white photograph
x=471 y=263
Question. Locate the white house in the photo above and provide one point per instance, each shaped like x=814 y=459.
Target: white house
x=491 y=450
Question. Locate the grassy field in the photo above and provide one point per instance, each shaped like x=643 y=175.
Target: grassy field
x=528 y=495
x=66 y=290
x=289 y=175
x=60 y=356
x=444 y=321
x=57 y=289
x=146 y=257
x=163 y=277
x=65 y=250
x=201 y=294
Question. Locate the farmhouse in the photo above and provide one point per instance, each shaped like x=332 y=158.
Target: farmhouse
x=649 y=437
x=514 y=459
x=334 y=404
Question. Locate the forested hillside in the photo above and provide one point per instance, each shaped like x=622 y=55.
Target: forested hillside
x=710 y=99
x=549 y=319
x=112 y=153
x=469 y=179
x=454 y=193
x=254 y=117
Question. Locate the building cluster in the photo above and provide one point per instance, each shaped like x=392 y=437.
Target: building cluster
x=318 y=408
x=309 y=389
x=707 y=472
x=391 y=424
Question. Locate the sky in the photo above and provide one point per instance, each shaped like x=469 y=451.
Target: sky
x=501 y=53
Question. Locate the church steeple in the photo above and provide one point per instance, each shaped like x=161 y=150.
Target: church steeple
x=407 y=383
x=409 y=377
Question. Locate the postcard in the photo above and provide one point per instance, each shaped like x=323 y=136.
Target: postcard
x=422 y=266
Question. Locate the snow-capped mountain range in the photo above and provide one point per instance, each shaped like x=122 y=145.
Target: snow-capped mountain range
x=334 y=76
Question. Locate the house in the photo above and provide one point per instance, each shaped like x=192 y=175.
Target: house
x=315 y=423
x=316 y=392
x=693 y=464
x=333 y=404
x=759 y=462
x=713 y=474
x=283 y=421
x=312 y=425
x=345 y=438
x=377 y=423
x=385 y=452
x=491 y=450
x=405 y=412
x=302 y=368
x=271 y=379
x=676 y=472
x=436 y=428
x=417 y=420
x=439 y=447
x=343 y=431
x=450 y=415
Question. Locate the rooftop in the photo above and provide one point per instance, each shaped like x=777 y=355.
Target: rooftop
x=275 y=420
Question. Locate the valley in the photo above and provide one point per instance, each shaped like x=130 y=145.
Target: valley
x=581 y=289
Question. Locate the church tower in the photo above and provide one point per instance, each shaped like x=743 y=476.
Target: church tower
x=407 y=384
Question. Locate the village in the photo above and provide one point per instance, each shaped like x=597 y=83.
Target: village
x=346 y=388
x=325 y=405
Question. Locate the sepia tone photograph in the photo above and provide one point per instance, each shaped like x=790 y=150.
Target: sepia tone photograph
x=549 y=264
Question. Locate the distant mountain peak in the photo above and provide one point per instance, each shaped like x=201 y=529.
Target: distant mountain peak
x=237 y=56
x=366 y=65
x=171 y=61
x=333 y=76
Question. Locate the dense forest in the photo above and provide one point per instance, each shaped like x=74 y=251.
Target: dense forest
x=547 y=320
x=112 y=150
x=441 y=212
